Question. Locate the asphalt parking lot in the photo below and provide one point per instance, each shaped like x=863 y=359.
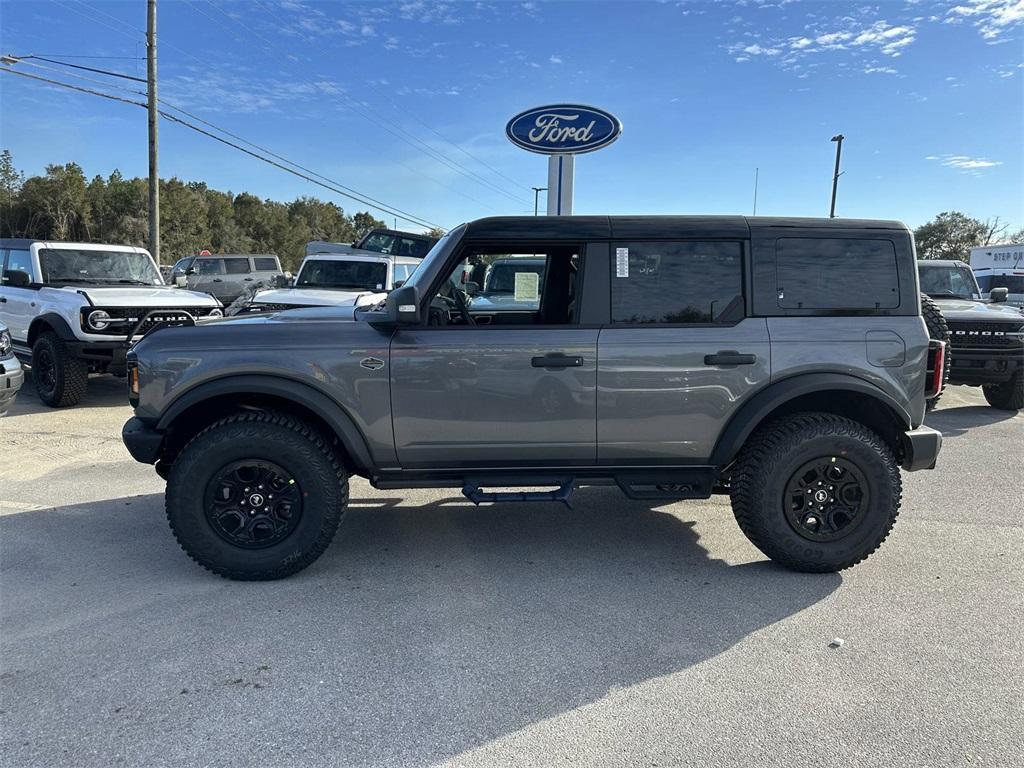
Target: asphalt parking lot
x=436 y=633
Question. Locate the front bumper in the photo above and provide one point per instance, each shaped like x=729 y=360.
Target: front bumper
x=920 y=448
x=142 y=441
x=12 y=376
x=984 y=366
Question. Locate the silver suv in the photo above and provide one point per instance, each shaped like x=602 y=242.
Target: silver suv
x=227 y=276
x=673 y=357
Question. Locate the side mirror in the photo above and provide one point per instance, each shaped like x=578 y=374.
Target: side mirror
x=999 y=295
x=397 y=284
x=181 y=281
x=191 y=271
x=472 y=289
x=401 y=307
x=15 y=278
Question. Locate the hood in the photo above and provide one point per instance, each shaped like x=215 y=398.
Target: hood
x=979 y=311
x=145 y=296
x=317 y=297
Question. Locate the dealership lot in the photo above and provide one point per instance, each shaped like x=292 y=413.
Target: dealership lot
x=433 y=632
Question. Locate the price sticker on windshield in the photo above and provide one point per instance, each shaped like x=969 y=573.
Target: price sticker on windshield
x=622 y=262
x=527 y=286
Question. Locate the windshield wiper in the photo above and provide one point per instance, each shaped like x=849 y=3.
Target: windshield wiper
x=945 y=294
x=72 y=280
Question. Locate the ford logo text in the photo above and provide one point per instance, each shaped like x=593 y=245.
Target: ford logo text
x=563 y=129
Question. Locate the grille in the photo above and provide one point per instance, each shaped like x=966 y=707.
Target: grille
x=985 y=335
x=125 y=318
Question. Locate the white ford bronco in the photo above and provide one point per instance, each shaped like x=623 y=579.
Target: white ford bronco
x=71 y=308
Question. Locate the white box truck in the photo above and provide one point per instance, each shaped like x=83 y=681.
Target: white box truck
x=1000 y=266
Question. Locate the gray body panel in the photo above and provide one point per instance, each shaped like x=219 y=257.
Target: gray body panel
x=657 y=399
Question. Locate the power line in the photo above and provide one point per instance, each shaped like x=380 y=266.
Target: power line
x=339 y=189
x=79 y=66
x=82 y=56
x=265 y=150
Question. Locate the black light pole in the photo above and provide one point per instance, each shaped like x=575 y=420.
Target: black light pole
x=838 y=139
x=536 y=197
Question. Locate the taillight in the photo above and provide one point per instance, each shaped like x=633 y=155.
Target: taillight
x=936 y=364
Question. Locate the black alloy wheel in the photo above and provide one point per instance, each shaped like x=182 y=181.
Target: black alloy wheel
x=825 y=498
x=252 y=503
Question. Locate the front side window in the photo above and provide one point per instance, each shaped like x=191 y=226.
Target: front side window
x=19 y=260
x=677 y=283
x=236 y=266
x=1012 y=283
x=349 y=275
x=497 y=286
x=70 y=265
x=209 y=266
x=379 y=242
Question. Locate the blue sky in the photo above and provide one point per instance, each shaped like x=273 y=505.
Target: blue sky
x=407 y=102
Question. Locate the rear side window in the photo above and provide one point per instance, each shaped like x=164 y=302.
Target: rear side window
x=236 y=266
x=677 y=283
x=265 y=264
x=836 y=273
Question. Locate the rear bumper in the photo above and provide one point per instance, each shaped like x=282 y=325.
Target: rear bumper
x=142 y=441
x=979 y=366
x=12 y=376
x=921 y=448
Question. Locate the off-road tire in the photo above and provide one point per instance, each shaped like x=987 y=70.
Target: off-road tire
x=1008 y=396
x=67 y=377
x=771 y=457
x=939 y=330
x=295 y=446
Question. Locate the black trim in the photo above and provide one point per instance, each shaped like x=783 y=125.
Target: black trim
x=324 y=407
x=921 y=448
x=57 y=323
x=143 y=442
x=761 y=405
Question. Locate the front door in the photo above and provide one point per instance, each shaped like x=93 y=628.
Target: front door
x=680 y=355
x=501 y=379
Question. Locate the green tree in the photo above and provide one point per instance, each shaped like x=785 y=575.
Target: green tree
x=950 y=235
x=435 y=232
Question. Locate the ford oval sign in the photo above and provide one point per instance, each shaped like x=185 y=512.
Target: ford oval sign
x=563 y=129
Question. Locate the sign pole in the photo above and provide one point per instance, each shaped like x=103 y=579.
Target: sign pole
x=561 y=173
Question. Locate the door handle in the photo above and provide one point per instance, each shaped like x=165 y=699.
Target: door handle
x=3 y=299
x=556 y=361
x=247 y=279
x=217 y=280
x=729 y=358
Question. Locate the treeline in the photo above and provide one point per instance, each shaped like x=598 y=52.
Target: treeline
x=64 y=205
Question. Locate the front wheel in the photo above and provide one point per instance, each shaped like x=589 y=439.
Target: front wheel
x=816 y=492
x=59 y=376
x=1008 y=396
x=256 y=496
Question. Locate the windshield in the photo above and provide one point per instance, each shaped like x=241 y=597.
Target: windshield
x=1012 y=283
x=69 y=265
x=396 y=245
x=355 y=275
x=944 y=281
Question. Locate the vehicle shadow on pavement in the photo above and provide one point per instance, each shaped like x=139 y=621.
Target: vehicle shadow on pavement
x=953 y=422
x=103 y=391
x=423 y=632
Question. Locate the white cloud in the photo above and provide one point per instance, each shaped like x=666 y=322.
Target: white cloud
x=991 y=17
x=555 y=60
x=964 y=163
x=871 y=69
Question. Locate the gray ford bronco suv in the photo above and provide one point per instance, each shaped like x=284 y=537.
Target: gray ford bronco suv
x=784 y=362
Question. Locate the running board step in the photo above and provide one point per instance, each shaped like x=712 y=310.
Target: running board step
x=472 y=489
x=696 y=483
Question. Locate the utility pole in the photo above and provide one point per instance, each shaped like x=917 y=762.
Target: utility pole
x=838 y=139
x=154 y=171
x=536 y=197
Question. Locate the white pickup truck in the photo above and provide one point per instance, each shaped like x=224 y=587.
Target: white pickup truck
x=73 y=308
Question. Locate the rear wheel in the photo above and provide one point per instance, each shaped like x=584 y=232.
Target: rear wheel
x=816 y=492
x=59 y=376
x=1008 y=396
x=256 y=496
x=939 y=330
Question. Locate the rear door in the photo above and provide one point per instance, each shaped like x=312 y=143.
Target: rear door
x=680 y=353
x=208 y=277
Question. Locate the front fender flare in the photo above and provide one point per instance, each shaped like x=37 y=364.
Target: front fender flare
x=761 y=405
x=59 y=324
x=308 y=397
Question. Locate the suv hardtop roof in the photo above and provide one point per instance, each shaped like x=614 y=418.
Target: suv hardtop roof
x=235 y=256
x=944 y=263
x=609 y=227
x=25 y=242
x=335 y=256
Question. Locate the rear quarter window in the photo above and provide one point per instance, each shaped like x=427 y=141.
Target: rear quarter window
x=265 y=264
x=236 y=266
x=836 y=273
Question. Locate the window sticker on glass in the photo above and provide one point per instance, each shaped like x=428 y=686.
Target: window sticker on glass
x=622 y=262
x=527 y=286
